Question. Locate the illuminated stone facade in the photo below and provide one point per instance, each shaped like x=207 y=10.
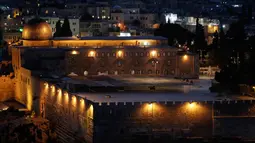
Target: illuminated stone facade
x=7 y=85
x=132 y=61
x=76 y=116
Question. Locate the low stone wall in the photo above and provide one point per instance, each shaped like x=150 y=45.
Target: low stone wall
x=6 y=88
x=147 y=121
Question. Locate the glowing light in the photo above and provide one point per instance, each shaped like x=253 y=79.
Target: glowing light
x=20 y=30
x=170 y=18
x=145 y=43
x=74 y=101
x=46 y=85
x=92 y=54
x=124 y=34
x=66 y=98
x=91 y=111
x=119 y=54
x=192 y=105
x=74 y=52
x=150 y=105
x=59 y=97
x=82 y=105
x=153 y=53
x=185 y=57
x=52 y=88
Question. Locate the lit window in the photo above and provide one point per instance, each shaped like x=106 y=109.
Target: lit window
x=46 y=12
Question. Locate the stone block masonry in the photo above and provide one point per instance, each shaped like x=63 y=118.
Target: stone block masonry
x=75 y=116
x=6 y=87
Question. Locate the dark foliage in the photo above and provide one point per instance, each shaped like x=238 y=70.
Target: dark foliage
x=174 y=32
x=58 y=29
x=65 y=29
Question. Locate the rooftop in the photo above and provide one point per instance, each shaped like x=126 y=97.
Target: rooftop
x=198 y=92
x=125 y=38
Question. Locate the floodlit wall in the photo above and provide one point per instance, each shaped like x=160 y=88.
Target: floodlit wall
x=36 y=43
x=72 y=115
x=7 y=85
x=93 y=43
x=76 y=117
x=120 y=61
x=129 y=122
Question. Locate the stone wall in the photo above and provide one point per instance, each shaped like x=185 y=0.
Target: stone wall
x=137 y=61
x=151 y=121
x=6 y=87
x=71 y=115
x=75 y=117
x=235 y=118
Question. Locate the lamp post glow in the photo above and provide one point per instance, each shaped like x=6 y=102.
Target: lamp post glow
x=92 y=54
x=150 y=108
x=153 y=53
x=119 y=54
x=74 y=52
x=185 y=57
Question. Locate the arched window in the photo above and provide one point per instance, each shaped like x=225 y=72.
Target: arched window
x=168 y=62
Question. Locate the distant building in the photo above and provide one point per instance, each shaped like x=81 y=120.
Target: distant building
x=94 y=27
x=99 y=10
x=11 y=37
x=127 y=16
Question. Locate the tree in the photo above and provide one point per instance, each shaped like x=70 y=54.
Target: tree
x=65 y=29
x=58 y=29
x=200 y=43
x=174 y=33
